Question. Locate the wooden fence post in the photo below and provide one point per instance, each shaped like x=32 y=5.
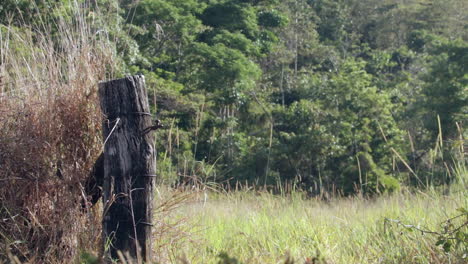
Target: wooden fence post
x=129 y=168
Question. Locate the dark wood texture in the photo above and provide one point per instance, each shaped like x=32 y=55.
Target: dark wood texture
x=129 y=167
x=93 y=184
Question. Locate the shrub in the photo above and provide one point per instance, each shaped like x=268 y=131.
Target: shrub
x=50 y=136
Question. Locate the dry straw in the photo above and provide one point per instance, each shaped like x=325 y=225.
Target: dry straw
x=50 y=135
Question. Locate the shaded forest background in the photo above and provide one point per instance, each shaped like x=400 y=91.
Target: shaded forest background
x=357 y=95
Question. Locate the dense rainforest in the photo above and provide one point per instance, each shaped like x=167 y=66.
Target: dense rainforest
x=355 y=95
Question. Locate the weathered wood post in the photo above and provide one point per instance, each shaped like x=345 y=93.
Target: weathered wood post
x=129 y=168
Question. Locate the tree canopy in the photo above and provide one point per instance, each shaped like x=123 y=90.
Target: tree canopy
x=323 y=94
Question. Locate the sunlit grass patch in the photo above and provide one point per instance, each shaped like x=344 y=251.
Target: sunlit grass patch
x=264 y=228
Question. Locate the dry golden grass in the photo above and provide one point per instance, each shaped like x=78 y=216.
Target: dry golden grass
x=50 y=137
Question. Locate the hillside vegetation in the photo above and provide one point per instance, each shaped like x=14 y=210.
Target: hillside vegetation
x=326 y=98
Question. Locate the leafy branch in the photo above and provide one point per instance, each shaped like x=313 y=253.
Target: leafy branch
x=450 y=234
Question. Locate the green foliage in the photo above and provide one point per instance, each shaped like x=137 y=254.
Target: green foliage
x=303 y=141
x=232 y=16
x=295 y=90
x=16 y=11
x=163 y=31
x=272 y=19
x=344 y=121
x=332 y=19
x=373 y=178
x=231 y=40
x=320 y=93
x=446 y=89
x=223 y=71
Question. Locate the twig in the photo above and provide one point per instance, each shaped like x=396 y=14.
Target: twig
x=398 y=222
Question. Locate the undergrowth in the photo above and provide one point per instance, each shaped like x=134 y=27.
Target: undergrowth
x=50 y=136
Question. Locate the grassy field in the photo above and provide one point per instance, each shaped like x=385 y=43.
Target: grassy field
x=256 y=227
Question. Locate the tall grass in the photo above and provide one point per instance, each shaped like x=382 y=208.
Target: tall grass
x=50 y=134
x=258 y=227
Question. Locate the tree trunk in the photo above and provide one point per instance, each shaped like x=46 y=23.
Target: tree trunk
x=129 y=168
